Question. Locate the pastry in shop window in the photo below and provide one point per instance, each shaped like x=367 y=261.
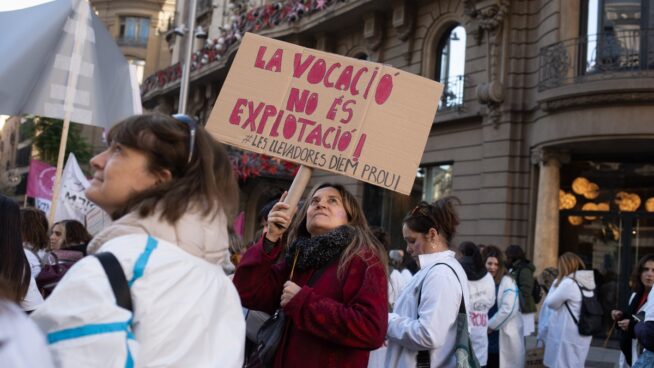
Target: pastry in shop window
x=603 y=206
x=580 y=185
x=575 y=220
x=590 y=206
x=649 y=204
x=568 y=201
x=627 y=202
x=592 y=191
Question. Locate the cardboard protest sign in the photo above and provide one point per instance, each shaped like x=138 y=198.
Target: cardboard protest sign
x=351 y=117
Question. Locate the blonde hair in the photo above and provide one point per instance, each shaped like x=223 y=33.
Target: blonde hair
x=569 y=263
x=363 y=242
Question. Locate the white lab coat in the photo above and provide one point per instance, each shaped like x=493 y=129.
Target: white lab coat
x=482 y=299
x=396 y=283
x=21 y=343
x=509 y=323
x=186 y=311
x=634 y=342
x=564 y=346
x=33 y=299
x=435 y=328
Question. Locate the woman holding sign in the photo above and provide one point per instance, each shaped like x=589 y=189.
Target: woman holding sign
x=153 y=294
x=331 y=284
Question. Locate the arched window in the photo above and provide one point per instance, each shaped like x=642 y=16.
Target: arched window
x=450 y=67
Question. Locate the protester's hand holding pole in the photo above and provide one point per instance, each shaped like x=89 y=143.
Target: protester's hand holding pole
x=279 y=219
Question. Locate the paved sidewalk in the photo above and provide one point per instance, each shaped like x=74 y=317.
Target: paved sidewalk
x=598 y=357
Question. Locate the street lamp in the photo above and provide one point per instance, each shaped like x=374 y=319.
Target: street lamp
x=186 y=67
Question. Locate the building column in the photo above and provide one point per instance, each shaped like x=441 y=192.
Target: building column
x=546 y=234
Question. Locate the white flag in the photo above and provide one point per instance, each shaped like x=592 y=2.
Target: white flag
x=72 y=203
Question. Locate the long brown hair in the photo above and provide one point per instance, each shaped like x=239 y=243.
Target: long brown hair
x=74 y=233
x=206 y=182
x=493 y=251
x=14 y=267
x=34 y=228
x=364 y=241
x=569 y=263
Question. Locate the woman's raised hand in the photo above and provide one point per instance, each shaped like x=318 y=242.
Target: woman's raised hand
x=279 y=219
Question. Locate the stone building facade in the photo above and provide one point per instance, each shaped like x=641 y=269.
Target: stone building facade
x=140 y=29
x=539 y=95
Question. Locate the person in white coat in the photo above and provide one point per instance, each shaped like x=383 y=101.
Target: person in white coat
x=423 y=325
x=482 y=297
x=564 y=346
x=642 y=279
x=546 y=280
x=169 y=187
x=506 y=337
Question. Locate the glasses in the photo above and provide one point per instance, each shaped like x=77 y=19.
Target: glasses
x=192 y=127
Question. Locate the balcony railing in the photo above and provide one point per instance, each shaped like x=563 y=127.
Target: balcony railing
x=132 y=42
x=452 y=97
x=601 y=56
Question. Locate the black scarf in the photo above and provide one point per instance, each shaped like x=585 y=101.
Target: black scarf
x=318 y=251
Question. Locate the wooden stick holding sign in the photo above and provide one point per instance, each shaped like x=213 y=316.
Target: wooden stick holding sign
x=324 y=111
x=298 y=186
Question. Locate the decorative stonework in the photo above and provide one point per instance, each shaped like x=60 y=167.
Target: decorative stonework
x=404 y=16
x=489 y=15
x=565 y=102
x=543 y=156
x=373 y=31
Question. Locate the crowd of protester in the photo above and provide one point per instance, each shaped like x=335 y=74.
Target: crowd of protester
x=169 y=283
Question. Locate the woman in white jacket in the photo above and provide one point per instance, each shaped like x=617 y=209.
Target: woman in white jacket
x=169 y=186
x=505 y=316
x=564 y=346
x=423 y=325
x=642 y=280
x=482 y=297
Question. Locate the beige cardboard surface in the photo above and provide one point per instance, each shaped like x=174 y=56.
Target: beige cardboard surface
x=361 y=119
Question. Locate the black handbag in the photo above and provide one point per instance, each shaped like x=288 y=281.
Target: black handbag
x=271 y=332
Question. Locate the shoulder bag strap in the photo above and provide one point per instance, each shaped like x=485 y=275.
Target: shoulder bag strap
x=462 y=306
x=568 y=307
x=117 y=279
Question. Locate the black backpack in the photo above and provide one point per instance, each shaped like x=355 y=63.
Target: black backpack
x=536 y=290
x=590 y=319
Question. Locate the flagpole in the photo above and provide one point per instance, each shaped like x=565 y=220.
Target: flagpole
x=186 y=68
x=71 y=88
x=60 y=167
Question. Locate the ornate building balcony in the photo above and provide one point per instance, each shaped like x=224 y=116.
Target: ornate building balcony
x=279 y=20
x=603 y=68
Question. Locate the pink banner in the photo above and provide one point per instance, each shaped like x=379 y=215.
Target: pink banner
x=239 y=224
x=40 y=180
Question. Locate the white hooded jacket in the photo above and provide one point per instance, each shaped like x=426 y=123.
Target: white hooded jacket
x=187 y=312
x=564 y=346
